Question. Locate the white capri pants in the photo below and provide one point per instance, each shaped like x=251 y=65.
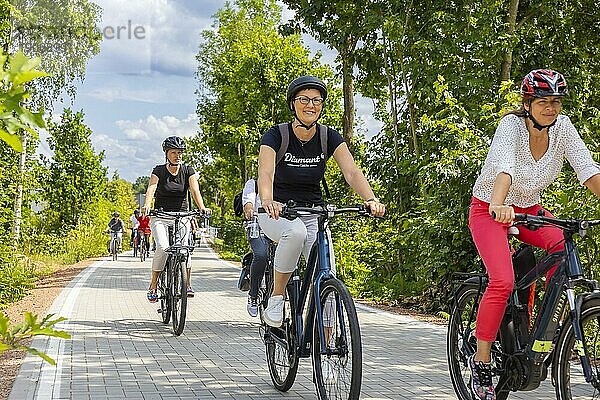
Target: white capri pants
x=296 y=237
x=160 y=230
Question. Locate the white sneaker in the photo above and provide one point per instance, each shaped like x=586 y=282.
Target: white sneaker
x=273 y=314
x=329 y=372
x=252 y=306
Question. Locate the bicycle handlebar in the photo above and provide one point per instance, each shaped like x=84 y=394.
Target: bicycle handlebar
x=291 y=210
x=177 y=214
x=537 y=221
x=573 y=225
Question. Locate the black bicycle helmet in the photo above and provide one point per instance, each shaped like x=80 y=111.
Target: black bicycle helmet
x=302 y=83
x=173 y=142
x=116 y=214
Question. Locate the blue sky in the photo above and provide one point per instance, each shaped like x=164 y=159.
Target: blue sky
x=140 y=88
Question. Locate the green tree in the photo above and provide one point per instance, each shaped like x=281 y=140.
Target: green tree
x=63 y=33
x=141 y=184
x=245 y=65
x=76 y=175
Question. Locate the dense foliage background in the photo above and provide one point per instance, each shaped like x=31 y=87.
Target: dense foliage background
x=440 y=75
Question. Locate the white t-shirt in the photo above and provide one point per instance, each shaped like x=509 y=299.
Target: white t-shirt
x=510 y=153
x=134 y=222
x=249 y=194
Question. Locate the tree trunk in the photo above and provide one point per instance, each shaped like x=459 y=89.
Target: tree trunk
x=19 y=199
x=511 y=22
x=391 y=79
x=348 y=89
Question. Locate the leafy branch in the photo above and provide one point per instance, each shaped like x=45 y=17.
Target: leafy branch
x=16 y=337
x=17 y=70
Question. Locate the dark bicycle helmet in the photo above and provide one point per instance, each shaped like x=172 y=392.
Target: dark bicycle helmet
x=116 y=214
x=304 y=82
x=173 y=142
x=544 y=82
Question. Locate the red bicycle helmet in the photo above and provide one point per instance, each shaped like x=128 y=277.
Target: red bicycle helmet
x=544 y=82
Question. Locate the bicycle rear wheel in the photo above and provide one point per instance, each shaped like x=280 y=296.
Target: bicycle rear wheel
x=338 y=368
x=135 y=246
x=178 y=297
x=114 y=249
x=164 y=296
x=570 y=380
x=280 y=346
x=462 y=343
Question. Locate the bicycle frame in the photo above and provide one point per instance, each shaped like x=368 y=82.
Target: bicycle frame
x=560 y=291
x=317 y=271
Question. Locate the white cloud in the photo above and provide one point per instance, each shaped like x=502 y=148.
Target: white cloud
x=136 y=146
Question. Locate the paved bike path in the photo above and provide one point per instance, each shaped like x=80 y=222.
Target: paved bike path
x=120 y=349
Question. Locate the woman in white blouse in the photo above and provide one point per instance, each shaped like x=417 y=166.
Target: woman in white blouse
x=526 y=155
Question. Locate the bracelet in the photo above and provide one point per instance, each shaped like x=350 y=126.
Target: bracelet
x=372 y=199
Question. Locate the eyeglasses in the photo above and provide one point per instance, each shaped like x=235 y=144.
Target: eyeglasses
x=317 y=101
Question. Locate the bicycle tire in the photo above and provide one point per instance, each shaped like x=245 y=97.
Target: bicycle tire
x=164 y=296
x=142 y=246
x=135 y=246
x=461 y=319
x=344 y=348
x=178 y=297
x=570 y=381
x=280 y=347
x=114 y=249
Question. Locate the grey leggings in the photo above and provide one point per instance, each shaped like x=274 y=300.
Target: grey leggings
x=293 y=238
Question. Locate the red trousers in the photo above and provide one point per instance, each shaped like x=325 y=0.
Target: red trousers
x=491 y=240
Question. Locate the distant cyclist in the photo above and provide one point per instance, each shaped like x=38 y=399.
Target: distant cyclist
x=143 y=229
x=115 y=227
x=169 y=185
x=134 y=226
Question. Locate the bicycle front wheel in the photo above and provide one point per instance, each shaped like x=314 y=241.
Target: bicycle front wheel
x=462 y=344
x=280 y=346
x=164 y=296
x=570 y=380
x=338 y=364
x=114 y=249
x=178 y=297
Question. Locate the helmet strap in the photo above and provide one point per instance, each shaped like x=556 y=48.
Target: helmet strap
x=537 y=125
x=302 y=124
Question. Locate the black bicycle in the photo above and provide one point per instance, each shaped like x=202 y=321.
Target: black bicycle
x=172 y=281
x=565 y=332
x=114 y=244
x=144 y=246
x=328 y=331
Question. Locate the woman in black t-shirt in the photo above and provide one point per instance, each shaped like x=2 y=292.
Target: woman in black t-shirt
x=169 y=185
x=297 y=177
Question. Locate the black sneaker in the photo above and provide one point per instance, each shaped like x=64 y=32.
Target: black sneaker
x=481 y=379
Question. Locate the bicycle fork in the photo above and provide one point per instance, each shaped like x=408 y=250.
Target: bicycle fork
x=575 y=303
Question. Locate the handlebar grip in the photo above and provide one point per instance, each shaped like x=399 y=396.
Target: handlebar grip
x=520 y=217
